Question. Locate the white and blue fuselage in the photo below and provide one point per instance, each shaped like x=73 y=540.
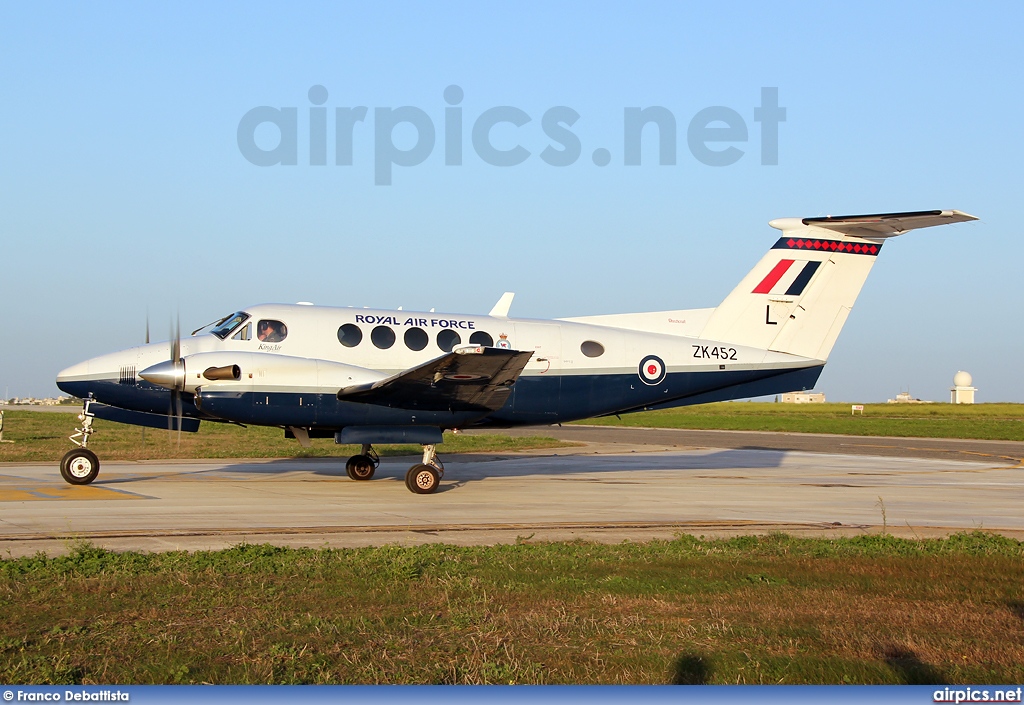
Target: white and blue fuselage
x=576 y=370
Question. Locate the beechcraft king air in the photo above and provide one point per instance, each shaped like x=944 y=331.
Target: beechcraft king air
x=370 y=377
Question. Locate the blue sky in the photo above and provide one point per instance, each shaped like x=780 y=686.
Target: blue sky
x=123 y=189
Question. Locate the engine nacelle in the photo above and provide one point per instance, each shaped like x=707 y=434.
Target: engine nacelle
x=257 y=372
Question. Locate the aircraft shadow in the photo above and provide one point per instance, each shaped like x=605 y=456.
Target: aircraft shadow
x=461 y=470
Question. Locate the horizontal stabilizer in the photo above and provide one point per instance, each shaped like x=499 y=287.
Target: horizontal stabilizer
x=877 y=226
x=466 y=379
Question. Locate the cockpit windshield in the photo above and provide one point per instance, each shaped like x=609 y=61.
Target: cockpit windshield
x=224 y=327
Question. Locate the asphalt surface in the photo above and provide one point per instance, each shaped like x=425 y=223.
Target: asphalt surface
x=885 y=446
x=658 y=485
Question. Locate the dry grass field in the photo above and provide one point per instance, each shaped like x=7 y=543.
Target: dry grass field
x=771 y=609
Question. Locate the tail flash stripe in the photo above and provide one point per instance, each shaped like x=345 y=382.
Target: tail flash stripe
x=800 y=283
x=790 y=243
x=773 y=277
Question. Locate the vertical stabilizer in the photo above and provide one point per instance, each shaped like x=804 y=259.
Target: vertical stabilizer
x=797 y=298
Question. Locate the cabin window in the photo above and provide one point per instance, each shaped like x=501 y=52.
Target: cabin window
x=383 y=337
x=592 y=348
x=482 y=338
x=448 y=339
x=349 y=335
x=416 y=338
x=270 y=331
x=244 y=334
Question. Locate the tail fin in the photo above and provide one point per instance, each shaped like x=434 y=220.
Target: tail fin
x=797 y=298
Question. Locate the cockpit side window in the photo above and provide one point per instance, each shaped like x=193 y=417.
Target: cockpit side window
x=270 y=331
x=244 y=334
x=223 y=329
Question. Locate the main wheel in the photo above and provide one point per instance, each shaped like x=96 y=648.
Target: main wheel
x=79 y=466
x=422 y=479
x=359 y=467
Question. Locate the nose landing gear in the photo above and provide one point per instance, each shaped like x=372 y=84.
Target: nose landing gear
x=80 y=466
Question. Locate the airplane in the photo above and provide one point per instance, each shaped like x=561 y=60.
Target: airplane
x=370 y=377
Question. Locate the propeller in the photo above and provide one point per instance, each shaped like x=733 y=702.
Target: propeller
x=147 y=343
x=174 y=412
x=170 y=374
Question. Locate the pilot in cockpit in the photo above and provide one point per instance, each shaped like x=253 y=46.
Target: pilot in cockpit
x=265 y=331
x=271 y=331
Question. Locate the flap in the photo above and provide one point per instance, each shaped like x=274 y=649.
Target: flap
x=470 y=378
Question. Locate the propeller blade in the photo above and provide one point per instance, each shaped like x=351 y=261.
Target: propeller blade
x=177 y=413
x=179 y=364
x=147 y=326
x=176 y=341
x=174 y=412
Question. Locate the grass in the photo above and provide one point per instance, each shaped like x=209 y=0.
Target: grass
x=979 y=421
x=773 y=609
x=41 y=436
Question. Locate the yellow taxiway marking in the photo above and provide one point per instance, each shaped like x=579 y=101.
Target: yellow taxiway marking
x=33 y=493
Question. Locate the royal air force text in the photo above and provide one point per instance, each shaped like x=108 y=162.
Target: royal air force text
x=420 y=322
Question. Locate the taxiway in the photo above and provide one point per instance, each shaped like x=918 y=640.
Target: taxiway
x=610 y=491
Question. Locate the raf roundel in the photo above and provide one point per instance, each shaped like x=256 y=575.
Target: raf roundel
x=652 y=370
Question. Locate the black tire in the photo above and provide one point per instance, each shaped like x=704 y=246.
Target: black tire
x=360 y=467
x=422 y=479
x=79 y=466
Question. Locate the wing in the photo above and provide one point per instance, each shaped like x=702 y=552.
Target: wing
x=466 y=379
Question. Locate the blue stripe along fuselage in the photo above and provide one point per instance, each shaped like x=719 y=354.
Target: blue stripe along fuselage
x=534 y=400
x=537 y=399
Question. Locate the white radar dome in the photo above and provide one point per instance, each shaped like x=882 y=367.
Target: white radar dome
x=962 y=379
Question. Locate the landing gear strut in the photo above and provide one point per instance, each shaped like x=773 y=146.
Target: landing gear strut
x=80 y=466
x=362 y=466
x=425 y=477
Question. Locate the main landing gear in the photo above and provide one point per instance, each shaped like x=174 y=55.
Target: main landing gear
x=80 y=466
x=425 y=477
x=362 y=466
x=422 y=478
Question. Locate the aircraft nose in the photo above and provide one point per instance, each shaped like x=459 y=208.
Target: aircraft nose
x=73 y=373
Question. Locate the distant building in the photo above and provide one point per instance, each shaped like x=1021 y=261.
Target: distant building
x=962 y=392
x=905 y=398
x=32 y=401
x=803 y=398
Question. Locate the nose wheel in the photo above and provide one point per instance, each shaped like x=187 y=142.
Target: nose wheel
x=425 y=477
x=80 y=466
